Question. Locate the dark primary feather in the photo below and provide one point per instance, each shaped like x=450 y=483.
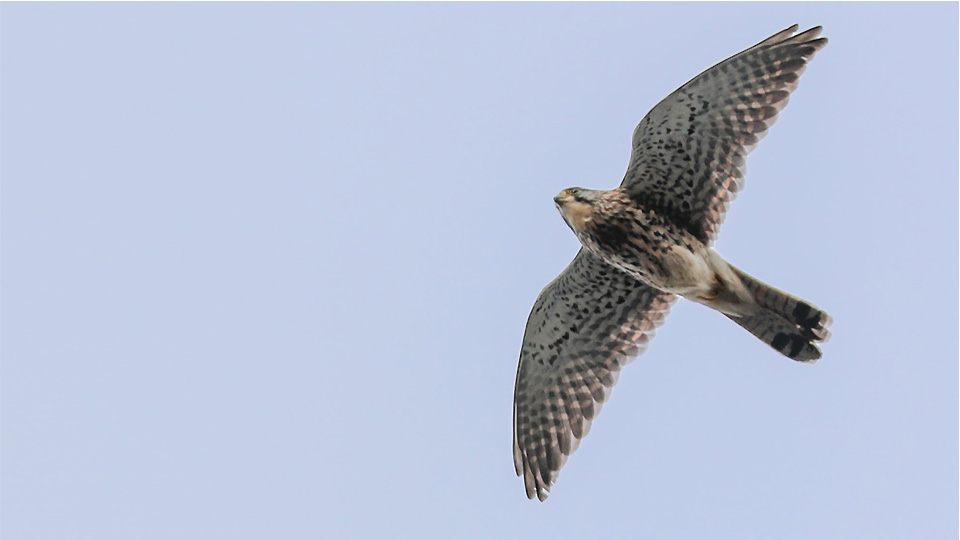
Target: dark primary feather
x=583 y=328
x=689 y=151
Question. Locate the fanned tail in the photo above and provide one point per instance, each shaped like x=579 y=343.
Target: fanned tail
x=790 y=325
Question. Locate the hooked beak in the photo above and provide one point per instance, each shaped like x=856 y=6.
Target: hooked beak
x=559 y=200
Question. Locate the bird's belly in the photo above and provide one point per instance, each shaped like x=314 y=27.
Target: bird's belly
x=676 y=268
x=653 y=250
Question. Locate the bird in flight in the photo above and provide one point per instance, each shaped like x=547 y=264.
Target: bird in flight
x=647 y=242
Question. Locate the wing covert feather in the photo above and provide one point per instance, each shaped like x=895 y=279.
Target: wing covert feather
x=689 y=152
x=585 y=325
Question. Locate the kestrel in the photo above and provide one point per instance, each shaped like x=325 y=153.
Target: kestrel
x=647 y=242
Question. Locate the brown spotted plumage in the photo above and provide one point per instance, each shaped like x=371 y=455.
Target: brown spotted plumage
x=647 y=242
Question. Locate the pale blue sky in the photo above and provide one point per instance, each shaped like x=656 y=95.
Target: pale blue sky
x=266 y=270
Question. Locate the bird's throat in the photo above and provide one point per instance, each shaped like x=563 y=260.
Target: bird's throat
x=578 y=215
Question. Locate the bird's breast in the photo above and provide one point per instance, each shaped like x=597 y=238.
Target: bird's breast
x=650 y=250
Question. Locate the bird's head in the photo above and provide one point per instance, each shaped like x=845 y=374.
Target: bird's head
x=577 y=206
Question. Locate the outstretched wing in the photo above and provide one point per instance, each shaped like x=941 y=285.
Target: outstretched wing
x=690 y=150
x=585 y=325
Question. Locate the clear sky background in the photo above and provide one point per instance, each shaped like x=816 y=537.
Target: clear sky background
x=266 y=269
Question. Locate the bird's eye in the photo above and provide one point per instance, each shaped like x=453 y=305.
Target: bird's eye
x=574 y=191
